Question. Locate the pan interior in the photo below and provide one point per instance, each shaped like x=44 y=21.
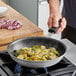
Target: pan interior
x=29 y=42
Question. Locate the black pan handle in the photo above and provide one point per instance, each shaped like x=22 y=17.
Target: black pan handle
x=53 y=29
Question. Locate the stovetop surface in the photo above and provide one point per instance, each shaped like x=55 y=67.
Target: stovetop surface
x=10 y=68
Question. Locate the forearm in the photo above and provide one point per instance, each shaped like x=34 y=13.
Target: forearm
x=54 y=6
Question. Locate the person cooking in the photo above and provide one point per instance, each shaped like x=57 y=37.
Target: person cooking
x=68 y=17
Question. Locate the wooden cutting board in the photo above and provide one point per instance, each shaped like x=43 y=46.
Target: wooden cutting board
x=27 y=30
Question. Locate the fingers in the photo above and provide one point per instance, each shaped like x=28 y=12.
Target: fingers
x=50 y=22
x=62 y=25
x=55 y=22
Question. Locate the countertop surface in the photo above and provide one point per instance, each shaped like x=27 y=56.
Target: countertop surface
x=28 y=29
x=71 y=51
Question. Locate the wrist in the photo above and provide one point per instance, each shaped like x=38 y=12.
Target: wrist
x=54 y=5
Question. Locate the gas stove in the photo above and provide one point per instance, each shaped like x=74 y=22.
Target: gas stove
x=8 y=67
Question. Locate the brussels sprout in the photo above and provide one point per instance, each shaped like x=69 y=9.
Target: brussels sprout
x=37 y=53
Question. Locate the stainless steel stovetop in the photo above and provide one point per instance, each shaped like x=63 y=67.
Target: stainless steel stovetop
x=71 y=51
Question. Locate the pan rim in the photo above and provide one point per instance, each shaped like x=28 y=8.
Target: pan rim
x=33 y=37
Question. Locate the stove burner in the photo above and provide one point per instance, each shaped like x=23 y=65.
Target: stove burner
x=30 y=71
x=18 y=69
x=34 y=71
x=46 y=70
x=10 y=68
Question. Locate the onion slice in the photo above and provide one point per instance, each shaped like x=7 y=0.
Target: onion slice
x=10 y=24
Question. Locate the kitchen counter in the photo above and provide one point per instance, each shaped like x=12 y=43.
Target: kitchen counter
x=71 y=51
x=27 y=30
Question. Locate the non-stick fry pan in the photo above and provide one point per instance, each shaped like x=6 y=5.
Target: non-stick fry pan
x=29 y=42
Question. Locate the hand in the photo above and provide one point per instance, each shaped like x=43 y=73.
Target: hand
x=53 y=21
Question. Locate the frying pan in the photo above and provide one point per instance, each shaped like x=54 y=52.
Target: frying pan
x=29 y=42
